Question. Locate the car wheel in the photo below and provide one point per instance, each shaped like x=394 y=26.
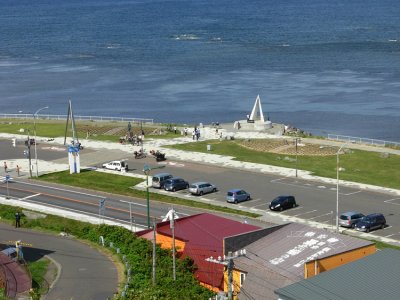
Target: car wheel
x=248 y=198
x=294 y=205
x=174 y=189
x=367 y=230
x=236 y=202
x=353 y=225
x=201 y=193
x=383 y=226
x=187 y=186
x=214 y=190
x=281 y=208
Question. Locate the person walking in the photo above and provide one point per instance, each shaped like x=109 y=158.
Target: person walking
x=186 y=131
x=5 y=167
x=17 y=220
x=18 y=168
x=174 y=129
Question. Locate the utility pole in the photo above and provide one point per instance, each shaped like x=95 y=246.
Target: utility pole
x=172 y=226
x=29 y=154
x=228 y=262
x=296 y=155
x=154 y=251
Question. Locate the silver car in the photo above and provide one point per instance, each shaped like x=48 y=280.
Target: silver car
x=349 y=219
x=200 y=188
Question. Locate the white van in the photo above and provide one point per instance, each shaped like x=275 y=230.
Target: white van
x=117 y=165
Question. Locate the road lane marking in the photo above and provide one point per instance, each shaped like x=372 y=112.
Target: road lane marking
x=31 y=196
x=58 y=189
x=320 y=216
x=305 y=213
x=348 y=194
x=390 y=201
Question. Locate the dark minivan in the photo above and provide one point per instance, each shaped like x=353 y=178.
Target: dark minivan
x=370 y=222
x=175 y=184
x=282 y=202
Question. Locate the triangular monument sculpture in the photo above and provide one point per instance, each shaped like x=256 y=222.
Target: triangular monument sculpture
x=75 y=146
x=257 y=106
x=257 y=116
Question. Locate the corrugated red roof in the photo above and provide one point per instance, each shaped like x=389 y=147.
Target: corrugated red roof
x=204 y=235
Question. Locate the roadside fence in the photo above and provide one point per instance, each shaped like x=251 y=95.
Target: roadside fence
x=364 y=141
x=82 y=118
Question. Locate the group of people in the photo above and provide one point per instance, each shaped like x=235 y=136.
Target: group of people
x=196 y=134
x=17 y=168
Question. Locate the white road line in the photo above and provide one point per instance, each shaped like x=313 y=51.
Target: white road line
x=387 y=227
x=352 y=193
x=305 y=213
x=296 y=208
x=389 y=235
x=320 y=216
x=137 y=204
x=31 y=196
x=260 y=205
x=321 y=187
x=59 y=189
x=390 y=201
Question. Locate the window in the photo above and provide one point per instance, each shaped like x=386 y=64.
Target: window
x=242 y=278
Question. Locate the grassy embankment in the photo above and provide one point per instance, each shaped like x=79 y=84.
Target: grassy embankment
x=92 y=130
x=359 y=166
x=121 y=185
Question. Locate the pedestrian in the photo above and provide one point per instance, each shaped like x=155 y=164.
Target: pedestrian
x=18 y=168
x=5 y=167
x=238 y=125
x=17 y=220
x=197 y=134
x=174 y=129
x=186 y=131
x=194 y=133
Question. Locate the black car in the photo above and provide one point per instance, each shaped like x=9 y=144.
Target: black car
x=175 y=184
x=282 y=202
x=370 y=222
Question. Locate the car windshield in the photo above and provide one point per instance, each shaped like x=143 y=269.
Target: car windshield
x=343 y=217
x=366 y=220
x=230 y=194
x=192 y=186
x=156 y=179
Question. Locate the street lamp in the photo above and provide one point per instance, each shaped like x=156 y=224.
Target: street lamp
x=34 y=129
x=146 y=171
x=337 y=187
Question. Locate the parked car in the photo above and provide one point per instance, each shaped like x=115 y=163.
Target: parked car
x=175 y=184
x=159 y=180
x=370 y=222
x=237 y=195
x=349 y=219
x=200 y=188
x=117 y=165
x=282 y=202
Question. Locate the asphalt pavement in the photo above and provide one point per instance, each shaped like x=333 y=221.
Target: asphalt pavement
x=84 y=272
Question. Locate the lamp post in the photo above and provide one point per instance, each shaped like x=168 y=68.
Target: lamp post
x=146 y=171
x=337 y=186
x=34 y=128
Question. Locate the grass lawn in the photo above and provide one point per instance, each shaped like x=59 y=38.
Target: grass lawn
x=97 y=130
x=121 y=185
x=38 y=269
x=359 y=166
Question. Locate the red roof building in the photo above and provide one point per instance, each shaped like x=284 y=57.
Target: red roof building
x=199 y=237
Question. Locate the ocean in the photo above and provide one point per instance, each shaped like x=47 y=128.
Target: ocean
x=319 y=65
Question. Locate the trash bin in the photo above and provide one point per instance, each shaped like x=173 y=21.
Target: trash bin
x=208 y=147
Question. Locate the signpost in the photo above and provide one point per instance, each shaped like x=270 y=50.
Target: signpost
x=7 y=180
x=102 y=208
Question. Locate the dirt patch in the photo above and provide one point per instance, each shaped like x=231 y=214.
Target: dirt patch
x=288 y=147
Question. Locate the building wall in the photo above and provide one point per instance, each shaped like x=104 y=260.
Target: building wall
x=317 y=266
x=235 y=281
x=166 y=242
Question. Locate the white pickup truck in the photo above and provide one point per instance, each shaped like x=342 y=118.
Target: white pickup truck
x=117 y=165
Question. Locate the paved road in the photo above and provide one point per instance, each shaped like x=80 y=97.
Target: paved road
x=85 y=273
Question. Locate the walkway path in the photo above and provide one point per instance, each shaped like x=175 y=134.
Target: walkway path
x=84 y=272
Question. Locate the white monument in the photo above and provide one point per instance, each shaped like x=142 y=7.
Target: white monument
x=257 y=116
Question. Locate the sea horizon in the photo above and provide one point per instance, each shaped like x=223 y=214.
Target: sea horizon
x=319 y=66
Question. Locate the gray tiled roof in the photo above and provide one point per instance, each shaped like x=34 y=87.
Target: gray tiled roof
x=277 y=259
x=376 y=276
